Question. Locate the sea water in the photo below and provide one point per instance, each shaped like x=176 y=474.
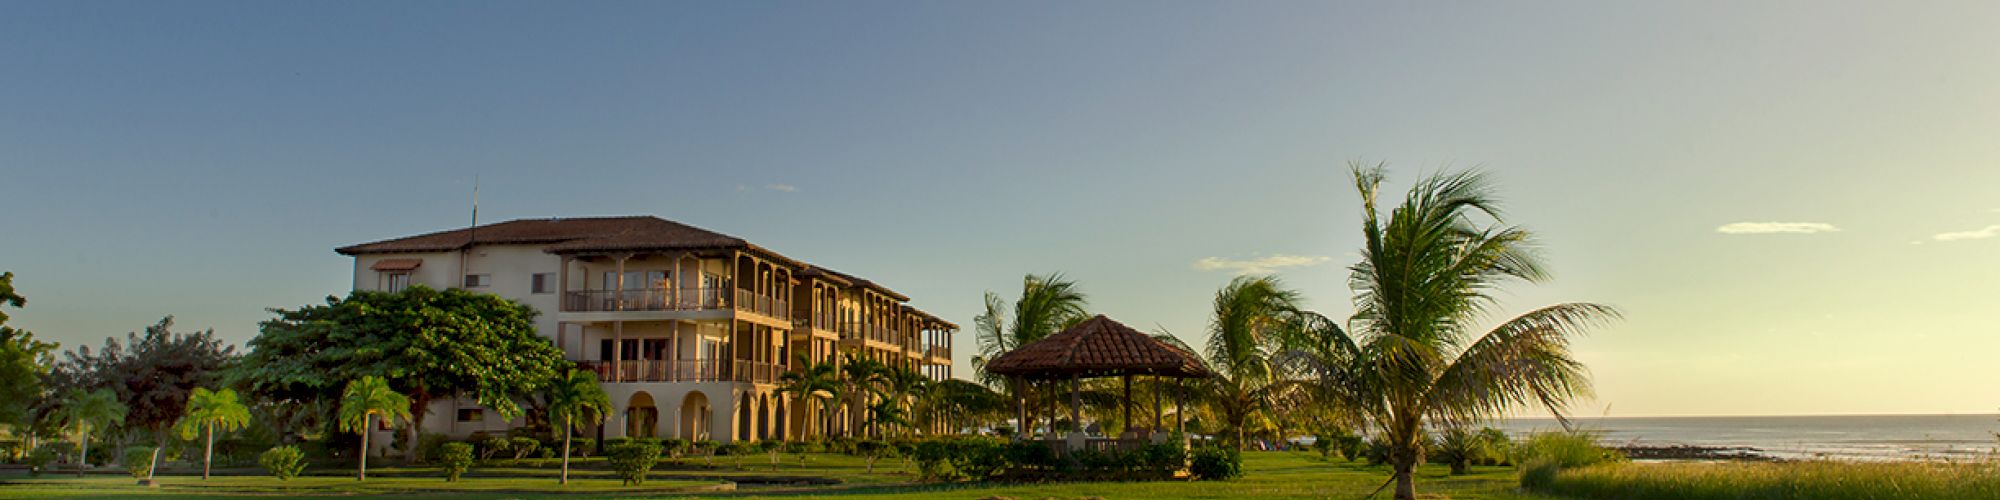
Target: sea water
x=1839 y=437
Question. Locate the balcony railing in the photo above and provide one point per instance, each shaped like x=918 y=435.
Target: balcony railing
x=684 y=370
x=824 y=321
x=938 y=351
x=749 y=301
x=646 y=299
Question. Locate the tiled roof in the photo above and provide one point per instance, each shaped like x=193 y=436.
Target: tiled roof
x=562 y=235
x=1098 y=347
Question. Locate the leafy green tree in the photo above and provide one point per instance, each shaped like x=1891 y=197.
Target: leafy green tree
x=85 y=410
x=207 y=412
x=1426 y=274
x=574 y=397
x=24 y=362
x=1251 y=315
x=426 y=343
x=364 y=400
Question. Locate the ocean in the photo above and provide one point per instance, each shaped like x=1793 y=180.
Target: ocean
x=1839 y=437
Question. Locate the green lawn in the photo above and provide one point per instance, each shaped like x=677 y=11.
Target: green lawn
x=1270 y=475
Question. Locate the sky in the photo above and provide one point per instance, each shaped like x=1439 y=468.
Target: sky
x=1796 y=204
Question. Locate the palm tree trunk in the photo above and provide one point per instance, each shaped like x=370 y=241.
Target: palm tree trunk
x=366 y=420
x=567 y=423
x=83 y=437
x=208 y=454
x=1406 y=485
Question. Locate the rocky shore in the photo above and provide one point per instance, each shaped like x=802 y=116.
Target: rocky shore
x=1690 y=452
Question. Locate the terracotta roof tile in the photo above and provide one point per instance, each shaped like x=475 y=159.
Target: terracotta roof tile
x=1098 y=347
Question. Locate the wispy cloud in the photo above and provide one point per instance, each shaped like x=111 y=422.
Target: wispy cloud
x=1260 y=265
x=1976 y=234
x=782 y=187
x=1776 y=228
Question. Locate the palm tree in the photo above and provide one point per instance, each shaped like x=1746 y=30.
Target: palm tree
x=207 y=411
x=1251 y=314
x=816 y=382
x=860 y=379
x=1047 y=305
x=904 y=385
x=573 y=397
x=81 y=409
x=361 y=402
x=1426 y=274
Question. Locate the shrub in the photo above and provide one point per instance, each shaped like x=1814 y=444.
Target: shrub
x=632 y=460
x=1376 y=451
x=38 y=460
x=283 y=462
x=675 y=448
x=493 y=446
x=706 y=447
x=1164 y=457
x=138 y=461
x=455 y=458
x=979 y=458
x=1351 y=446
x=933 y=459
x=1460 y=448
x=523 y=446
x=1032 y=455
x=1216 y=464
x=871 y=450
x=580 y=447
x=739 y=449
x=1565 y=449
x=1498 y=446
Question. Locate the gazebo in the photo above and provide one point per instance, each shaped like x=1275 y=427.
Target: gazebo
x=1097 y=347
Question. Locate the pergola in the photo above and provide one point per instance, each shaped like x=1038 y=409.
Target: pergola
x=1097 y=347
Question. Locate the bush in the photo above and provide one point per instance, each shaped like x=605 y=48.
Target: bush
x=1376 y=451
x=1216 y=464
x=706 y=447
x=1164 y=458
x=1498 y=446
x=870 y=449
x=979 y=458
x=675 y=448
x=632 y=460
x=138 y=460
x=1032 y=455
x=38 y=460
x=523 y=446
x=1460 y=448
x=580 y=447
x=1351 y=446
x=1565 y=450
x=283 y=462
x=933 y=459
x=493 y=446
x=455 y=458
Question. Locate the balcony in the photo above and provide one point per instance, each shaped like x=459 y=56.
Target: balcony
x=671 y=299
x=938 y=352
x=684 y=370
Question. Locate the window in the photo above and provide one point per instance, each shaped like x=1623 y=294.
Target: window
x=544 y=282
x=396 y=282
x=471 y=415
x=604 y=350
x=478 y=280
x=656 y=349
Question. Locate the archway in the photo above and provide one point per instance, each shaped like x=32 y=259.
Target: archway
x=763 y=417
x=642 y=419
x=743 y=418
x=781 y=422
x=694 y=416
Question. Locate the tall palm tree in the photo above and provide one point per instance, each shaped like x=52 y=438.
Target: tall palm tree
x=1251 y=315
x=363 y=400
x=1047 y=305
x=861 y=380
x=903 y=386
x=1426 y=274
x=817 y=382
x=83 y=409
x=209 y=411
x=576 y=396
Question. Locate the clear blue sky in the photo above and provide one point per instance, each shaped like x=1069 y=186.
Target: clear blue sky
x=203 y=159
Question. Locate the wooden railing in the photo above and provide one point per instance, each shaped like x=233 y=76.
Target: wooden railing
x=749 y=301
x=646 y=299
x=684 y=370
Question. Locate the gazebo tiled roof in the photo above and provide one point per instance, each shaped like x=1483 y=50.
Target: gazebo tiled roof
x=1098 y=347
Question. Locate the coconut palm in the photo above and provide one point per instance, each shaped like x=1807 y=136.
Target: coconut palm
x=576 y=396
x=861 y=380
x=1251 y=315
x=1426 y=274
x=364 y=400
x=1047 y=305
x=817 y=382
x=207 y=412
x=84 y=410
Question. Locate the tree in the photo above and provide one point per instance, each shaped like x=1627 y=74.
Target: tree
x=153 y=373
x=576 y=396
x=1251 y=314
x=84 y=410
x=902 y=386
x=817 y=382
x=425 y=343
x=1047 y=306
x=860 y=381
x=1426 y=274
x=207 y=412
x=24 y=361
x=363 y=400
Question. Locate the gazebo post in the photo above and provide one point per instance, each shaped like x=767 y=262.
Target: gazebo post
x=1020 y=409
x=1127 y=380
x=1156 y=404
x=1180 y=413
x=1075 y=406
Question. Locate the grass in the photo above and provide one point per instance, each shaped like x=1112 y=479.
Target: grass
x=1819 y=479
x=1267 y=474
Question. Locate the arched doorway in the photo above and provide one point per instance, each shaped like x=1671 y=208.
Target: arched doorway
x=763 y=417
x=642 y=418
x=780 y=421
x=694 y=416
x=743 y=417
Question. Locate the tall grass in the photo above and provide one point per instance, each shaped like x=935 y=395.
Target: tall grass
x=1738 y=480
x=1544 y=454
